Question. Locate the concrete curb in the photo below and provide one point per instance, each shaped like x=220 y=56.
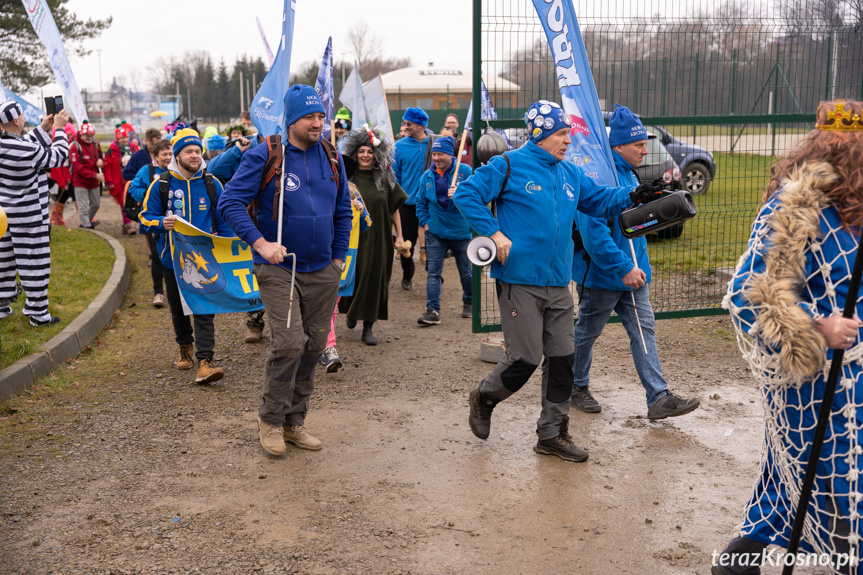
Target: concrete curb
x=77 y=335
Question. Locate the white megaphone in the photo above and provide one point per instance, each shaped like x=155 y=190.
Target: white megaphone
x=481 y=251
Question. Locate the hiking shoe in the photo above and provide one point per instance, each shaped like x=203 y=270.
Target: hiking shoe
x=583 y=401
x=561 y=445
x=407 y=284
x=272 y=438
x=671 y=405
x=51 y=320
x=479 y=418
x=423 y=257
x=207 y=373
x=159 y=300
x=330 y=358
x=467 y=309
x=255 y=335
x=430 y=317
x=185 y=360
x=300 y=436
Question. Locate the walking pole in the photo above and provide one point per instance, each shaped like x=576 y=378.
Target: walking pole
x=279 y=235
x=458 y=159
x=333 y=132
x=632 y=293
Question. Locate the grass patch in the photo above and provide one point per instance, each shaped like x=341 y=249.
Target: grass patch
x=80 y=264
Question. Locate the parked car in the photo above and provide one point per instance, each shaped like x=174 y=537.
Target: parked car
x=696 y=163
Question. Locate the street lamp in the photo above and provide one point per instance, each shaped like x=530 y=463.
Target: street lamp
x=101 y=93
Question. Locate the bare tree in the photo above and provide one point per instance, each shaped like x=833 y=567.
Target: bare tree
x=365 y=44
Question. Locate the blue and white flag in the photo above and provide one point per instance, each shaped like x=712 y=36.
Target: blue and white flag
x=487 y=112
x=32 y=114
x=353 y=98
x=590 y=148
x=325 y=89
x=43 y=22
x=268 y=107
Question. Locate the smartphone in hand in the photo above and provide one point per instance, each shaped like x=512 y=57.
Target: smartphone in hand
x=50 y=105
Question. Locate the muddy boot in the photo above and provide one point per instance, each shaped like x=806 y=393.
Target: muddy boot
x=562 y=445
x=185 y=360
x=255 y=335
x=208 y=373
x=272 y=438
x=479 y=418
x=368 y=337
x=671 y=405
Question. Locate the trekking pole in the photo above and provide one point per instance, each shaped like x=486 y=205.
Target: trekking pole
x=632 y=293
x=458 y=159
x=823 y=420
x=291 y=297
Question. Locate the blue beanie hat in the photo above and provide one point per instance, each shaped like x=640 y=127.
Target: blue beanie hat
x=216 y=142
x=545 y=118
x=185 y=137
x=625 y=127
x=416 y=116
x=445 y=145
x=301 y=100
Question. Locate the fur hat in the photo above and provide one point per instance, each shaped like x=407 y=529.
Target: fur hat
x=381 y=172
x=416 y=116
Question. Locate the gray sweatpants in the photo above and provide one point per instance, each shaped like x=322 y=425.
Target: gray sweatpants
x=88 y=204
x=289 y=375
x=536 y=321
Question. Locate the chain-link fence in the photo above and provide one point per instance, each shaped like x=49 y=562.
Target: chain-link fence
x=726 y=87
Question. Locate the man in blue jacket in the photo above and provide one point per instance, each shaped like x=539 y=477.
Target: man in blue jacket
x=411 y=157
x=536 y=206
x=608 y=279
x=316 y=227
x=188 y=197
x=445 y=227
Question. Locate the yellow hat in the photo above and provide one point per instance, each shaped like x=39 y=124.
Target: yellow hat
x=185 y=137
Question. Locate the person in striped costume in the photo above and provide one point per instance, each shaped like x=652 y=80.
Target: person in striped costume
x=25 y=247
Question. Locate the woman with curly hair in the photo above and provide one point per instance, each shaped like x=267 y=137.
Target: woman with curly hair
x=382 y=196
x=786 y=301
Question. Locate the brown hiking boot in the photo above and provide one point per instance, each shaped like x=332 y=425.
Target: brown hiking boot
x=272 y=438
x=185 y=361
x=562 y=445
x=300 y=436
x=207 y=373
x=255 y=335
x=479 y=417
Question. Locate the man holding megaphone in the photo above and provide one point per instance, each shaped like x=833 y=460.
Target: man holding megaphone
x=536 y=194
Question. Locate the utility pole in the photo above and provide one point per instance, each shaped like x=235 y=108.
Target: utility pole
x=241 y=92
x=189 y=99
x=101 y=93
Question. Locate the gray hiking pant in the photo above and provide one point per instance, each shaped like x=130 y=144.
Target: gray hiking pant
x=289 y=374
x=536 y=321
x=88 y=204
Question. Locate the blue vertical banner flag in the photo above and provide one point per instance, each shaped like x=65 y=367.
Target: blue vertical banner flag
x=325 y=89
x=268 y=107
x=487 y=112
x=590 y=148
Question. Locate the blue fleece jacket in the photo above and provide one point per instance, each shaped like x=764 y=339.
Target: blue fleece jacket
x=225 y=165
x=409 y=160
x=535 y=211
x=194 y=207
x=138 y=186
x=610 y=257
x=138 y=159
x=446 y=223
x=317 y=210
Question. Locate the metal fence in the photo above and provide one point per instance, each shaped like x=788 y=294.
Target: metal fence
x=739 y=78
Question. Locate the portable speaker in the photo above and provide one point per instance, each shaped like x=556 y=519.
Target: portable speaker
x=669 y=210
x=481 y=251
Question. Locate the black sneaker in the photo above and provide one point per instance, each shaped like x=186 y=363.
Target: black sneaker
x=583 y=401
x=671 y=406
x=480 y=414
x=407 y=284
x=36 y=323
x=562 y=445
x=430 y=317
x=467 y=310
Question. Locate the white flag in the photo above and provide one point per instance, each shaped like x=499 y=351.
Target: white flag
x=377 y=108
x=352 y=97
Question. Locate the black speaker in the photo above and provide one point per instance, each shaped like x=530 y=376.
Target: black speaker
x=669 y=210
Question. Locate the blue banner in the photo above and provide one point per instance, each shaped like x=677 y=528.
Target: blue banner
x=486 y=112
x=268 y=107
x=214 y=274
x=590 y=148
x=32 y=114
x=324 y=87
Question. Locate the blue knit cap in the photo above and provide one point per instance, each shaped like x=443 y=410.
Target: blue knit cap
x=301 y=100
x=416 y=116
x=444 y=145
x=216 y=142
x=545 y=118
x=625 y=127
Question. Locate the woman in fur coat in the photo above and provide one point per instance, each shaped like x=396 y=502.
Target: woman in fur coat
x=786 y=301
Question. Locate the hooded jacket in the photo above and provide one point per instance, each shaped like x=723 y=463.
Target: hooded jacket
x=83 y=158
x=608 y=254
x=141 y=182
x=317 y=210
x=446 y=223
x=535 y=211
x=195 y=208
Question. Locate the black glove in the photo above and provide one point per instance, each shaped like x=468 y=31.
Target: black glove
x=646 y=192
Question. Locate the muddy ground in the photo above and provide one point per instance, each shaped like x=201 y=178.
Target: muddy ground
x=119 y=464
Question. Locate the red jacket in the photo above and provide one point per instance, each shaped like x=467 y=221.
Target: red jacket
x=114 y=168
x=83 y=158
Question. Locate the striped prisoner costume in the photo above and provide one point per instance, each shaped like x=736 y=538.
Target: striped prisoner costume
x=25 y=248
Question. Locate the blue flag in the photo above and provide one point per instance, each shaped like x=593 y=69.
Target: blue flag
x=268 y=107
x=325 y=89
x=32 y=114
x=590 y=148
x=487 y=112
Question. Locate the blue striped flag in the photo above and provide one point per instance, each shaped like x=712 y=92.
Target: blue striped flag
x=325 y=89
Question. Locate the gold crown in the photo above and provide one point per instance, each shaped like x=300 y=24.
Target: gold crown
x=839 y=119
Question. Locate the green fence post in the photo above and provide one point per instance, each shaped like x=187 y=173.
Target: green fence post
x=635 y=85
x=733 y=77
x=695 y=96
x=776 y=71
x=611 y=89
x=829 y=67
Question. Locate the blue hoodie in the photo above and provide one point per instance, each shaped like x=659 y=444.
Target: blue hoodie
x=138 y=186
x=610 y=257
x=225 y=165
x=446 y=223
x=535 y=211
x=409 y=163
x=195 y=209
x=317 y=210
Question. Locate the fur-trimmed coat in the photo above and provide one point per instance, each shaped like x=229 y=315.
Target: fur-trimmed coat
x=795 y=270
